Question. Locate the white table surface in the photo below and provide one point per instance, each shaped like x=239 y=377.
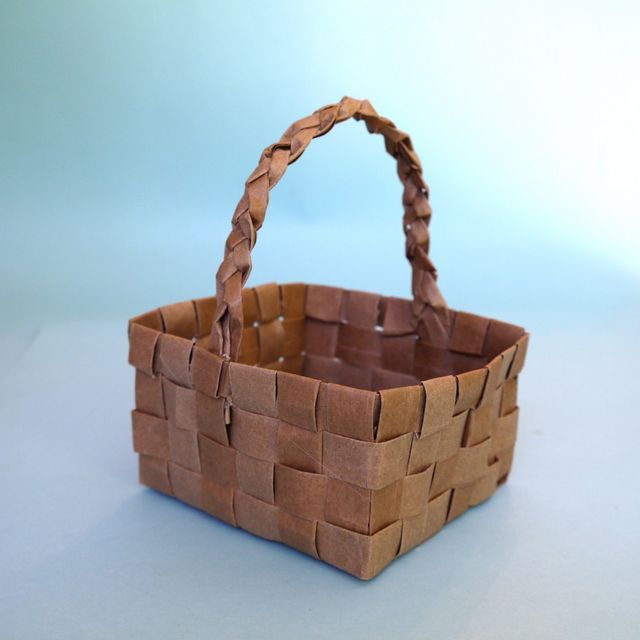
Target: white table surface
x=85 y=552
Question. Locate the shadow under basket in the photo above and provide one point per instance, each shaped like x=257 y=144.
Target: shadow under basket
x=338 y=430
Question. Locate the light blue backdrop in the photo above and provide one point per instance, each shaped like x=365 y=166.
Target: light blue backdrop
x=128 y=128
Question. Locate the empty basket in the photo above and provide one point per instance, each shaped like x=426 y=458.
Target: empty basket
x=348 y=425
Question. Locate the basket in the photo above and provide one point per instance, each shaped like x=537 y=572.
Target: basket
x=347 y=425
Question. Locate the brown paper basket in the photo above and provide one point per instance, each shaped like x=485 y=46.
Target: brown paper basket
x=348 y=425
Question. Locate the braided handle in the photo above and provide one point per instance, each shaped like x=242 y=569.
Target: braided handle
x=429 y=305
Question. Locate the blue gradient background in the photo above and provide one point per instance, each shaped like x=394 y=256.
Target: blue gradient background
x=127 y=130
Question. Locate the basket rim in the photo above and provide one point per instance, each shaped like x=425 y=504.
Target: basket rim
x=145 y=320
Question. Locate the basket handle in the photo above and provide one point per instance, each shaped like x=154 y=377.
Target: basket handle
x=429 y=305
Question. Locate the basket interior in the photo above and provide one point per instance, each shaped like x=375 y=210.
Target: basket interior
x=352 y=338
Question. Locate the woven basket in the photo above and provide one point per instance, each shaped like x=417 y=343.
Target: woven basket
x=348 y=425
